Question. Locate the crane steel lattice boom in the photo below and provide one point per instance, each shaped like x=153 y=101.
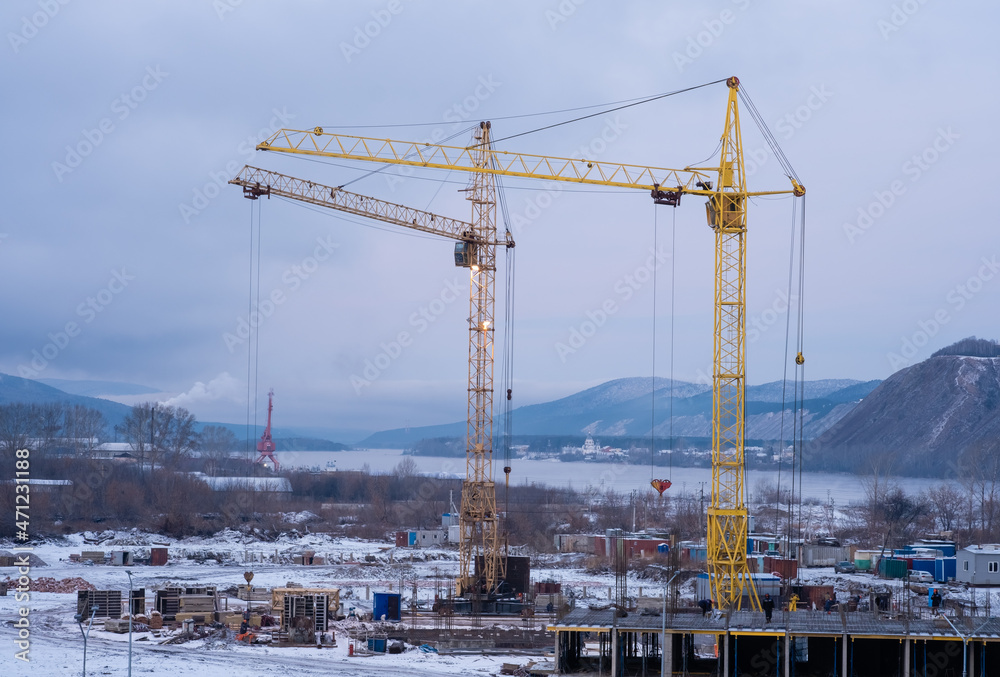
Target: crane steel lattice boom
x=726 y=208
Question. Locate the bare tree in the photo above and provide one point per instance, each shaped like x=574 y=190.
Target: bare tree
x=406 y=468
x=159 y=434
x=947 y=503
x=215 y=444
x=16 y=426
x=136 y=428
x=981 y=478
x=48 y=424
x=84 y=428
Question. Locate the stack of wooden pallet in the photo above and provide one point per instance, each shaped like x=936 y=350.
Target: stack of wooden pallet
x=108 y=603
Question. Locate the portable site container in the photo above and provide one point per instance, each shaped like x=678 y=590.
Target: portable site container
x=387 y=604
x=893 y=568
x=945 y=569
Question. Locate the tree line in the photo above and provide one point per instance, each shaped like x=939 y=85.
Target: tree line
x=158 y=435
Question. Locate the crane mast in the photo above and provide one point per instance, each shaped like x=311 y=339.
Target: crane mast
x=728 y=518
x=478 y=512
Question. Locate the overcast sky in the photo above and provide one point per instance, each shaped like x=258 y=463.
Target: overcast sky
x=126 y=257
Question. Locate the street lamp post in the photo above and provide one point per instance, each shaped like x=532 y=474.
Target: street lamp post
x=79 y=619
x=129 y=622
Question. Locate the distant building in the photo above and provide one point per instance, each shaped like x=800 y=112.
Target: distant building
x=272 y=484
x=979 y=565
x=420 y=538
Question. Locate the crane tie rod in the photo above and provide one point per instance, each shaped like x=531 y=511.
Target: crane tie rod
x=768 y=135
x=608 y=110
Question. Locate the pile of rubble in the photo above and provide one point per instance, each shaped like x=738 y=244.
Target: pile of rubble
x=45 y=584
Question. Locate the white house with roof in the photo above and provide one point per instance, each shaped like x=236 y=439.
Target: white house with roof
x=979 y=564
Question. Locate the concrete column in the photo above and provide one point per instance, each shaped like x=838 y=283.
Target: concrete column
x=788 y=650
x=725 y=655
x=667 y=655
x=843 y=656
x=614 y=652
x=972 y=658
x=906 y=657
x=558 y=662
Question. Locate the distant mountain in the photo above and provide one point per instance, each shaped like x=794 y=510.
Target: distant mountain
x=97 y=388
x=928 y=416
x=16 y=389
x=622 y=408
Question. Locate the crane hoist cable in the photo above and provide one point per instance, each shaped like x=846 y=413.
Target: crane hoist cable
x=662 y=484
x=798 y=380
x=800 y=360
x=652 y=387
x=507 y=354
x=784 y=384
x=673 y=289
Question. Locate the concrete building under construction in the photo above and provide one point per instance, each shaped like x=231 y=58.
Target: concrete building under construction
x=800 y=643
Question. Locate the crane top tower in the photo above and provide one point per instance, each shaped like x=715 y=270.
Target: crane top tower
x=266 y=445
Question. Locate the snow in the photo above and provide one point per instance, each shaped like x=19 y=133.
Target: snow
x=56 y=644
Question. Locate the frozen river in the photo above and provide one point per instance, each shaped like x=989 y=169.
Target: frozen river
x=842 y=488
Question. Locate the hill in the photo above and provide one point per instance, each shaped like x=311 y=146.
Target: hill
x=15 y=389
x=930 y=417
x=622 y=408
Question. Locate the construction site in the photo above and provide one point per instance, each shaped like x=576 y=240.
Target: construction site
x=745 y=608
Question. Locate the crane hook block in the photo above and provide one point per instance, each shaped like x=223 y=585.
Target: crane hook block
x=509 y=392
x=800 y=359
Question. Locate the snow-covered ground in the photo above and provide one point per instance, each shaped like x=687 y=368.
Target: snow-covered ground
x=358 y=568
x=56 y=644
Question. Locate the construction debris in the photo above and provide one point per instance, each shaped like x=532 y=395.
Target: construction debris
x=45 y=584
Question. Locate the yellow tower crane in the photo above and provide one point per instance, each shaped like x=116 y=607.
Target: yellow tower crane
x=726 y=209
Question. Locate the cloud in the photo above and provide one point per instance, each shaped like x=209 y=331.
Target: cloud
x=222 y=387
